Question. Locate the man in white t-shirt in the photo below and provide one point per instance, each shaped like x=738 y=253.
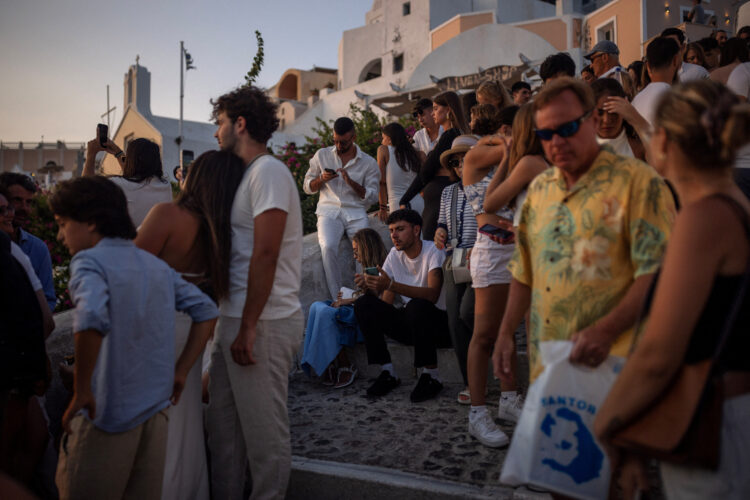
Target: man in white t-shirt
x=413 y=271
x=261 y=323
x=348 y=180
x=426 y=137
x=663 y=58
x=739 y=80
x=686 y=72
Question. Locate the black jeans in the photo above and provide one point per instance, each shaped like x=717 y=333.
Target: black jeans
x=419 y=323
x=459 y=304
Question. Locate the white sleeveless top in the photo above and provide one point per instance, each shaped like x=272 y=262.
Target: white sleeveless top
x=620 y=144
x=398 y=182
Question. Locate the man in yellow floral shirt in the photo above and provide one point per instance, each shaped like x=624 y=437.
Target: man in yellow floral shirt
x=592 y=233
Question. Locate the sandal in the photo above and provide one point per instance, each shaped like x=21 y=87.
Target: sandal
x=464 y=397
x=328 y=378
x=341 y=381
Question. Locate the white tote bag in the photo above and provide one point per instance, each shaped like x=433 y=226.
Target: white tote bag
x=553 y=444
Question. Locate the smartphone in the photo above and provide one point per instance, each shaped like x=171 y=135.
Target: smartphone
x=102 y=131
x=330 y=171
x=498 y=232
x=372 y=271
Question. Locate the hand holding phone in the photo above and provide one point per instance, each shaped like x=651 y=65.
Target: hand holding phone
x=328 y=174
x=497 y=233
x=102 y=131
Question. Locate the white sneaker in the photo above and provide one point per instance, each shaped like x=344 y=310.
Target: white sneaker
x=510 y=408
x=484 y=429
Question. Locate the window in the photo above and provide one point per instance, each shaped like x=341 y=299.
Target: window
x=398 y=63
x=406 y=8
x=607 y=31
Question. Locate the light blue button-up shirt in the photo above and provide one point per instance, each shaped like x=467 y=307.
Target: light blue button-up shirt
x=38 y=254
x=130 y=297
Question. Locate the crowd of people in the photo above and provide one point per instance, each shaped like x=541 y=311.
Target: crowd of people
x=570 y=209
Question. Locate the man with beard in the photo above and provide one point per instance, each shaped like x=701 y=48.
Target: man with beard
x=21 y=190
x=348 y=181
x=413 y=270
x=260 y=323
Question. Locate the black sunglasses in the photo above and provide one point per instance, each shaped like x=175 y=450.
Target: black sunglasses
x=565 y=130
x=455 y=162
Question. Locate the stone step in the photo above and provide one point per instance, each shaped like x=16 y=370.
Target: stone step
x=402 y=357
x=323 y=479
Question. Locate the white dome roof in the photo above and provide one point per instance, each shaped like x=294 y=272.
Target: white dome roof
x=486 y=45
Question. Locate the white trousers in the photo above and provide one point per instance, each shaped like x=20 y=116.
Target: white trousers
x=731 y=481
x=330 y=231
x=247 y=415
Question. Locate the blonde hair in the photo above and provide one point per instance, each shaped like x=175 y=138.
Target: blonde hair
x=706 y=121
x=495 y=92
x=370 y=246
x=525 y=140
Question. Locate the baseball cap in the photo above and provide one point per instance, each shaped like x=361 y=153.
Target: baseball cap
x=603 y=47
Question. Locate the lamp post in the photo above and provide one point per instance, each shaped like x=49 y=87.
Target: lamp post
x=186 y=63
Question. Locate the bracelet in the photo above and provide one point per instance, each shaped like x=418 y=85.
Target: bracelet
x=119 y=154
x=390 y=285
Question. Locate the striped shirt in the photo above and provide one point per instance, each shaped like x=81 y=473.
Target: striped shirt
x=465 y=219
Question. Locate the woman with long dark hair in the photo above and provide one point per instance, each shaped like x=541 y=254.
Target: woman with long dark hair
x=142 y=177
x=399 y=164
x=612 y=130
x=193 y=235
x=448 y=112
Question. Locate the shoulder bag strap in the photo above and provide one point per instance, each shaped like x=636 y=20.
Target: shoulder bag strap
x=454 y=210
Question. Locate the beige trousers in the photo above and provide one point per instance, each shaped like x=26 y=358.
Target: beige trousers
x=105 y=465
x=247 y=413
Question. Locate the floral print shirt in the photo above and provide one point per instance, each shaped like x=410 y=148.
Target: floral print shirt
x=580 y=248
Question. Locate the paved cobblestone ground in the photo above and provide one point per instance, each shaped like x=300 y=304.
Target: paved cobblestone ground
x=430 y=438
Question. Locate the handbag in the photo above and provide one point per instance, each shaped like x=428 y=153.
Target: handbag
x=683 y=426
x=458 y=261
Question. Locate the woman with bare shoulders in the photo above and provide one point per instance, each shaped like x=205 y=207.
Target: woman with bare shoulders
x=698 y=128
x=193 y=235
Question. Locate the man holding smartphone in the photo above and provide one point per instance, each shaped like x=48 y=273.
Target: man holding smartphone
x=413 y=270
x=348 y=181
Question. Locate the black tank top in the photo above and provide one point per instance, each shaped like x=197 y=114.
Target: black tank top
x=710 y=325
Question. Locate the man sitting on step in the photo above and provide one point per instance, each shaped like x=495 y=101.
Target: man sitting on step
x=412 y=270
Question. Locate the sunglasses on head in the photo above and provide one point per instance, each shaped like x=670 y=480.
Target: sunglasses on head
x=565 y=130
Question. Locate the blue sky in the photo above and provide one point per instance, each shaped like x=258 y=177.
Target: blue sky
x=58 y=55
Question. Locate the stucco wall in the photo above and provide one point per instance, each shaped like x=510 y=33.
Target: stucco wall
x=445 y=32
x=627 y=15
x=458 y=25
x=555 y=31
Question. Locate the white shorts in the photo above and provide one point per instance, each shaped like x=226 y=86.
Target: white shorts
x=489 y=262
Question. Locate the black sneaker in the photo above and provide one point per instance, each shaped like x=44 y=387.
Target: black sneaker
x=426 y=388
x=384 y=384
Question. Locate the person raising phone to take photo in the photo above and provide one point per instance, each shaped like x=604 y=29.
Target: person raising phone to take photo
x=142 y=176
